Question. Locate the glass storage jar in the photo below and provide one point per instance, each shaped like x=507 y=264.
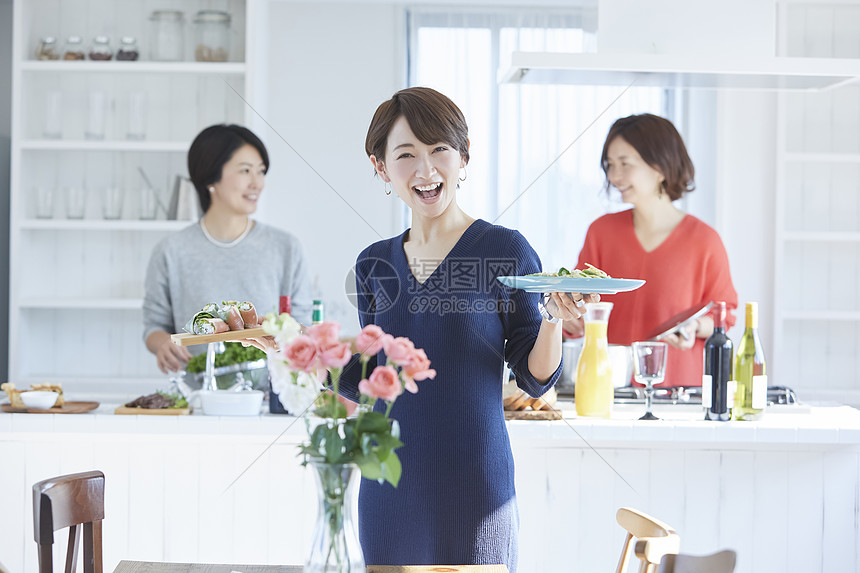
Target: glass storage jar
x=74 y=49
x=212 y=36
x=127 y=49
x=100 y=50
x=167 y=43
x=47 y=49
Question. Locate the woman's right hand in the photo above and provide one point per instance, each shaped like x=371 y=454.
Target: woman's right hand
x=172 y=357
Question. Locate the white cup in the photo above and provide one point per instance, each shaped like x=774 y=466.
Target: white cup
x=148 y=203
x=76 y=202
x=44 y=197
x=53 y=127
x=136 y=116
x=96 y=118
x=112 y=202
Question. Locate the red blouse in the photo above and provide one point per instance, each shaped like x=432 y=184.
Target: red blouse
x=690 y=267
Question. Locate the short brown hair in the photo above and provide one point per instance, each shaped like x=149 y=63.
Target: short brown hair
x=661 y=147
x=432 y=116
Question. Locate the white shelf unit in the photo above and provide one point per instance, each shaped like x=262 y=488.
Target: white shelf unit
x=76 y=286
x=817 y=210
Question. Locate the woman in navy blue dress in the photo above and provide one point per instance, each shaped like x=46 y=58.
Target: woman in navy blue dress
x=436 y=284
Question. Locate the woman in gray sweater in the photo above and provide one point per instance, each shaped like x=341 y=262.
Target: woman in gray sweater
x=226 y=255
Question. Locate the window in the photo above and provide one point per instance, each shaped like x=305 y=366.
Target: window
x=535 y=149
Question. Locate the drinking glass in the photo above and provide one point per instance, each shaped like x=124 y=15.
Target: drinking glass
x=44 y=202
x=98 y=108
x=76 y=202
x=649 y=368
x=148 y=203
x=136 y=116
x=112 y=202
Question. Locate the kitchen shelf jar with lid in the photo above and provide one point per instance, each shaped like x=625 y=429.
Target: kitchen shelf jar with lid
x=212 y=36
x=74 y=49
x=100 y=49
x=128 y=50
x=47 y=49
x=167 y=40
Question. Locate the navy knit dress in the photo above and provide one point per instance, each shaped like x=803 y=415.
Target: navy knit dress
x=455 y=503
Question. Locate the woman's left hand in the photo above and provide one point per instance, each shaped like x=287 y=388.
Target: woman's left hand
x=681 y=342
x=568 y=305
x=264 y=343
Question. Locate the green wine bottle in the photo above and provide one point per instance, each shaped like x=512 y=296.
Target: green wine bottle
x=750 y=372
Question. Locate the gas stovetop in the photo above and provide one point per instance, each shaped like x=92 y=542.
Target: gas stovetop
x=693 y=395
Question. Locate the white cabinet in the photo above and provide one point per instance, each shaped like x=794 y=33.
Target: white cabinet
x=77 y=284
x=817 y=310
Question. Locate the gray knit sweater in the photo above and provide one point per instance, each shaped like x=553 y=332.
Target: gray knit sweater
x=186 y=271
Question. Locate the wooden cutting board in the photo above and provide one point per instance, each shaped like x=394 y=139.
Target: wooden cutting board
x=185 y=339
x=66 y=408
x=153 y=411
x=533 y=415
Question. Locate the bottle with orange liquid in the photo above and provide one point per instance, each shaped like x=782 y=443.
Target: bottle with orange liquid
x=594 y=393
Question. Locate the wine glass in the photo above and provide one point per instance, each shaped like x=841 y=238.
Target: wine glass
x=649 y=368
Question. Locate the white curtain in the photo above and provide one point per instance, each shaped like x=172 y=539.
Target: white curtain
x=535 y=162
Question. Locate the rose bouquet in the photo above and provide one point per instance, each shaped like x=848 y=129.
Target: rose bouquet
x=339 y=444
x=304 y=362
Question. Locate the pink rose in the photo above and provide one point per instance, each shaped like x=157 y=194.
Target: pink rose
x=302 y=353
x=370 y=340
x=325 y=334
x=399 y=350
x=336 y=356
x=418 y=368
x=382 y=383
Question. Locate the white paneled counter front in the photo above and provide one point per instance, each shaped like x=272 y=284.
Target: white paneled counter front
x=783 y=492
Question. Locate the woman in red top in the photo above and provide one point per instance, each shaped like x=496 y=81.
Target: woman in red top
x=681 y=258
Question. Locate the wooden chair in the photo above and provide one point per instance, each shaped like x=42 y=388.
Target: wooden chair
x=72 y=501
x=720 y=562
x=653 y=540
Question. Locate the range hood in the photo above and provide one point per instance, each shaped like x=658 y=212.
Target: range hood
x=680 y=71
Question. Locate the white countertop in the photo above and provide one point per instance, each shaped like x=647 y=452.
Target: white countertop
x=795 y=424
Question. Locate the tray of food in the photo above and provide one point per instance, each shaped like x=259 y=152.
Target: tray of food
x=156 y=404
x=520 y=406
x=588 y=280
x=42 y=399
x=228 y=321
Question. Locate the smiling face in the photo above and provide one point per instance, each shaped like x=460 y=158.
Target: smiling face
x=627 y=171
x=242 y=181
x=423 y=175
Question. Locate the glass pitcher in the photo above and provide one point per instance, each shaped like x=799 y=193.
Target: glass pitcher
x=594 y=393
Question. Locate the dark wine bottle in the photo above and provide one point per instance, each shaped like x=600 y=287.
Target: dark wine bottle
x=718 y=369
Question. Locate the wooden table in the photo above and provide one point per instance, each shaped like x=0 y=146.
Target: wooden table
x=156 y=567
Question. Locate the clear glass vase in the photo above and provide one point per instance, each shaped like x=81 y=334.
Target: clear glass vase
x=336 y=547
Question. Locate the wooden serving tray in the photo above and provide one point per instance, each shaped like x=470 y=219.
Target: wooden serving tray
x=66 y=408
x=185 y=339
x=153 y=411
x=533 y=415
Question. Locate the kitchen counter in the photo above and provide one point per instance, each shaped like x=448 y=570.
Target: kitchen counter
x=784 y=492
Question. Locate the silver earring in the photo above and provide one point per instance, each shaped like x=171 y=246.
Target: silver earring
x=387 y=188
x=465 y=174
x=211 y=189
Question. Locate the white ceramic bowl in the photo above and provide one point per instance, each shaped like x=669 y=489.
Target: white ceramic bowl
x=39 y=399
x=230 y=403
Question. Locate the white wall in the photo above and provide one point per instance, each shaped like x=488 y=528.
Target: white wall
x=744 y=198
x=330 y=66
